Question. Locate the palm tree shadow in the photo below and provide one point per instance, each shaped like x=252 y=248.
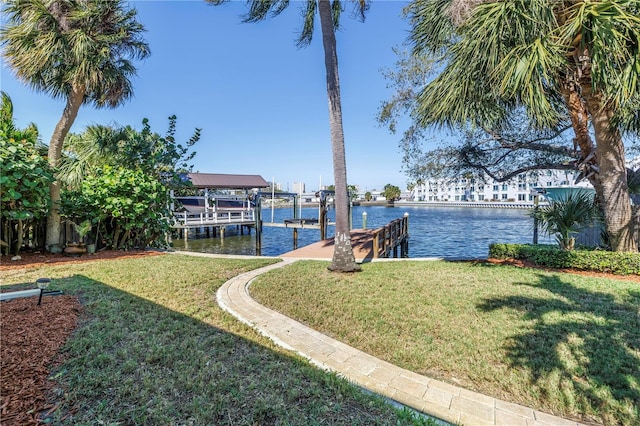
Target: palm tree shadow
x=586 y=342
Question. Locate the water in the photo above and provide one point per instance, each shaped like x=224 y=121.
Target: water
x=452 y=232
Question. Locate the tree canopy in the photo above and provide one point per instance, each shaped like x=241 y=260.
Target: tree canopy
x=514 y=77
x=391 y=192
x=120 y=179
x=76 y=50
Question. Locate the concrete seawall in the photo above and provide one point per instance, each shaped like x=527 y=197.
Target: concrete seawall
x=481 y=204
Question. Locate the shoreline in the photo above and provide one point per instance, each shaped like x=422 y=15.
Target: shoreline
x=465 y=204
x=473 y=204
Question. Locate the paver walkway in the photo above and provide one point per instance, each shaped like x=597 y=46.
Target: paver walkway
x=433 y=397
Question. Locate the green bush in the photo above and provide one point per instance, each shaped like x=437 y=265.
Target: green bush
x=554 y=257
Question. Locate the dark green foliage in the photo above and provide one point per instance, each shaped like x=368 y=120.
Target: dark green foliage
x=129 y=206
x=24 y=178
x=125 y=182
x=622 y=263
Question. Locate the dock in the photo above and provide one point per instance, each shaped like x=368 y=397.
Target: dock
x=391 y=240
x=213 y=222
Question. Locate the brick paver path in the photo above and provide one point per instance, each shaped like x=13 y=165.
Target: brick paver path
x=433 y=397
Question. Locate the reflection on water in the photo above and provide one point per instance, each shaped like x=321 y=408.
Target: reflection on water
x=453 y=232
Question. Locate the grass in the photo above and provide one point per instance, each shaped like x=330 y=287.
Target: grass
x=562 y=343
x=153 y=347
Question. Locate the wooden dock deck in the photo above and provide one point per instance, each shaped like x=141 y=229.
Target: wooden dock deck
x=367 y=244
x=361 y=241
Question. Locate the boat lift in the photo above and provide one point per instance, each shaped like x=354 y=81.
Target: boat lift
x=326 y=200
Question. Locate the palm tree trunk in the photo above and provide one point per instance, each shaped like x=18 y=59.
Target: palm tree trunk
x=612 y=178
x=343 y=258
x=74 y=101
x=610 y=183
x=579 y=116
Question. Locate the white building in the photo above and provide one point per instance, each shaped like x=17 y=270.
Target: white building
x=517 y=189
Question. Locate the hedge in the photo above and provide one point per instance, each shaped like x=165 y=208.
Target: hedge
x=622 y=263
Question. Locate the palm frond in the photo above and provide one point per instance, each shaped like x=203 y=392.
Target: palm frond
x=308 y=23
x=261 y=9
x=566 y=216
x=51 y=45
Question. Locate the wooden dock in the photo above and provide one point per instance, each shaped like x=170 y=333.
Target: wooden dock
x=390 y=240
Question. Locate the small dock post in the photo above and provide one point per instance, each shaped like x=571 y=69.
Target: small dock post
x=258 y=218
x=404 y=246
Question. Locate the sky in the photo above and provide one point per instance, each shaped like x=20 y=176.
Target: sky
x=260 y=101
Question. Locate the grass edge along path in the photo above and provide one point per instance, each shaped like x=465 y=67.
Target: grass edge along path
x=153 y=347
x=560 y=343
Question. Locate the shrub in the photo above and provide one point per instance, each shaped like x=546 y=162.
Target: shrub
x=566 y=216
x=546 y=255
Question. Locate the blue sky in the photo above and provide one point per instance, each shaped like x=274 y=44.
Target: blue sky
x=260 y=100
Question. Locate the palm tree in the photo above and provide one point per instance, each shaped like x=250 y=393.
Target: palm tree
x=563 y=62
x=8 y=129
x=329 y=12
x=87 y=151
x=77 y=50
x=567 y=216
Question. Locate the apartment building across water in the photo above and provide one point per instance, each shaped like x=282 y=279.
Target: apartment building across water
x=518 y=189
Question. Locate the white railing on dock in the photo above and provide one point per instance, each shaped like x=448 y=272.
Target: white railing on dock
x=214 y=218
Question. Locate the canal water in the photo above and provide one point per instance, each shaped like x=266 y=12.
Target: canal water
x=451 y=232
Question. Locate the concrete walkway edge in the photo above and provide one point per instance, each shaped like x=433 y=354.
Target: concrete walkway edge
x=432 y=397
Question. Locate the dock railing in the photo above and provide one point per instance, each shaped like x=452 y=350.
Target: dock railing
x=388 y=238
x=211 y=218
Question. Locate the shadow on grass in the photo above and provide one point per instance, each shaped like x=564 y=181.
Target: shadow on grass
x=133 y=361
x=582 y=345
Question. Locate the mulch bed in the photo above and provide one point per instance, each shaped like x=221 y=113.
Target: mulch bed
x=32 y=259
x=31 y=336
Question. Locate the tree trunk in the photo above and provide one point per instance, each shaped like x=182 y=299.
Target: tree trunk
x=612 y=178
x=343 y=258
x=116 y=237
x=20 y=236
x=74 y=101
x=579 y=115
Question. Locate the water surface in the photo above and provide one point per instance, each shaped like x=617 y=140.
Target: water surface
x=451 y=232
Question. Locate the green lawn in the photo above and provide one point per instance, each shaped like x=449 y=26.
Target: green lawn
x=561 y=343
x=154 y=348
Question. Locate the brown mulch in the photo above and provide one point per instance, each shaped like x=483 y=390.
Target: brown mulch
x=31 y=336
x=34 y=259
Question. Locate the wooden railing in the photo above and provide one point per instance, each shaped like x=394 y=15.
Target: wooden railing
x=394 y=235
x=211 y=218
